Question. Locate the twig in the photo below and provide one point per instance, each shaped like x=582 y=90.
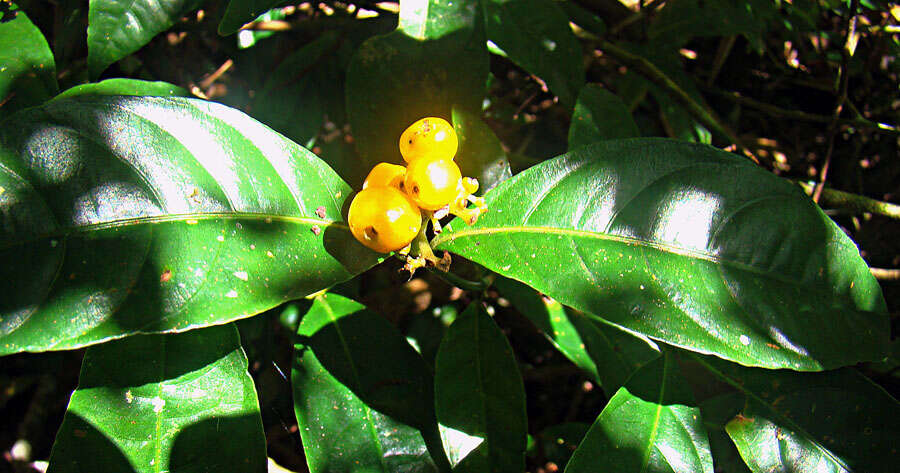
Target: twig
x=722 y=53
x=652 y=73
x=779 y=112
x=886 y=274
x=843 y=87
x=834 y=198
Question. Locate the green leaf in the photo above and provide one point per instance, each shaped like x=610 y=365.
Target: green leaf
x=607 y=353
x=156 y=403
x=127 y=215
x=426 y=68
x=117 y=28
x=27 y=69
x=365 y=365
x=833 y=421
x=479 y=391
x=649 y=425
x=240 y=12
x=480 y=153
x=717 y=411
x=685 y=244
x=681 y=20
x=535 y=34
x=126 y=87
x=292 y=99
x=600 y=115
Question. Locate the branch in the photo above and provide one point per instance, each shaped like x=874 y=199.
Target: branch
x=779 y=112
x=844 y=200
x=652 y=73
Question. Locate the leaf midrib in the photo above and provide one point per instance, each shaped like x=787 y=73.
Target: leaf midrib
x=345 y=347
x=787 y=420
x=447 y=237
x=155 y=219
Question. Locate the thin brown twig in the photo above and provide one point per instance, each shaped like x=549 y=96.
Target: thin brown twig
x=843 y=87
x=779 y=112
x=652 y=73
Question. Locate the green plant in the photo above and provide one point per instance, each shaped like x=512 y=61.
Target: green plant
x=628 y=303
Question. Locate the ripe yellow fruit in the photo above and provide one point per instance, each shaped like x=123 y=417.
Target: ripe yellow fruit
x=431 y=137
x=384 y=219
x=385 y=175
x=433 y=183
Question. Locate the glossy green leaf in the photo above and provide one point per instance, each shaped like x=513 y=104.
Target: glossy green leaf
x=535 y=34
x=836 y=421
x=717 y=411
x=240 y=12
x=27 y=69
x=686 y=244
x=292 y=99
x=126 y=215
x=651 y=425
x=436 y=61
x=154 y=403
x=600 y=115
x=479 y=391
x=117 y=28
x=607 y=353
x=480 y=153
x=126 y=87
x=346 y=403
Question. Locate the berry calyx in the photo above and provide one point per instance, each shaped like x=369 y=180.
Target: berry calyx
x=385 y=175
x=384 y=219
x=432 y=183
x=431 y=137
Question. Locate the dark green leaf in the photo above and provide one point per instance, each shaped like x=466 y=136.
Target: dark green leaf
x=335 y=400
x=240 y=12
x=607 y=353
x=152 y=403
x=479 y=391
x=717 y=411
x=424 y=69
x=292 y=99
x=117 y=28
x=681 y=20
x=686 y=244
x=27 y=70
x=126 y=87
x=535 y=34
x=833 y=421
x=650 y=425
x=124 y=215
x=480 y=153
x=600 y=115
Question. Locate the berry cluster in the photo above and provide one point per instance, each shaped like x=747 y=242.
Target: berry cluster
x=396 y=202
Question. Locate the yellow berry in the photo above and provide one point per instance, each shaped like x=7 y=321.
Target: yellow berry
x=433 y=183
x=384 y=219
x=432 y=137
x=385 y=175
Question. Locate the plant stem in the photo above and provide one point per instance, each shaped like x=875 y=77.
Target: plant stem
x=652 y=73
x=845 y=200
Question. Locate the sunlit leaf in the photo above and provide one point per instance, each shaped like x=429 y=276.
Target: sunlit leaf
x=27 y=69
x=651 y=425
x=117 y=28
x=152 y=403
x=344 y=404
x=126 y=215
x=479 y=391
x=686 y=244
